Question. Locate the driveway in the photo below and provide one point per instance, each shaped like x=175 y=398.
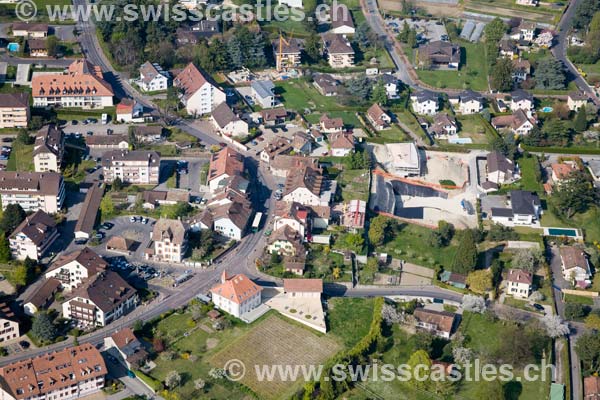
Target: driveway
x=136 y=231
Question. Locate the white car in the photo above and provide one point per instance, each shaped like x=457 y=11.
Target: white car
x=144 y=220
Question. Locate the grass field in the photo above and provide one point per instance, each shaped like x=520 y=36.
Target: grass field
x=587 y=221
x=354 y=184
x=472 y=126
x=21 y=157
x=274 y=341
x=411 y=245
x=392 y=135
x=349 y=117
x=349 y=319
x=587 y=301
x=298 y=95
x=471 y=75
x=528 y=180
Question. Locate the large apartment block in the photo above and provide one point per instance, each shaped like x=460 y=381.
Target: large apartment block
x=32 y=190
x=71 y=373
x=33 y=236
x=136 y=167
x=48 y=149
x=82 y=86
x=14 y=110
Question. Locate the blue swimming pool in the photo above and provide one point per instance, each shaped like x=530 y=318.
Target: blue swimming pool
x=547 y=109
x=562 y=232
x=13 y=47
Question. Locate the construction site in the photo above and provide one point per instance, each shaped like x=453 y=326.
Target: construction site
x=440 y=191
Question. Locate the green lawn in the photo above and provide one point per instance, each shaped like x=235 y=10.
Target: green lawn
x=320 y=264
x=473 y=75
x=354 y=184
x=476 y=128
x=392 y=135
x=528 y=179
x=21 y=157
x=298 y=95
x=588 y=301
x=349 y=117
x=587 y=221
x=411 y=245
x=349 y=319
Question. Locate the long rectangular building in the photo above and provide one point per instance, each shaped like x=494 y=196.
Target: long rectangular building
x=136 y=167
x=32 y=190
x=14 y=110
x=72 y=373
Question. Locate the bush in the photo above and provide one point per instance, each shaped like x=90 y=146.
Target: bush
x=154 y=384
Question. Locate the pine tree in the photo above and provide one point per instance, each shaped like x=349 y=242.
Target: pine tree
x=580 y=123
x=4 y=249
x=466 y=255
x=234 y=50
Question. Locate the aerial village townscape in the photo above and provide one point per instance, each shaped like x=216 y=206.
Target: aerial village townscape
x=402 y=182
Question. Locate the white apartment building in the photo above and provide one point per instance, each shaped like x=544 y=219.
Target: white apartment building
x=48 y=149
x=138 y=167
x=14 y=110
x=33 y=236
x=73 y=269
x=32 y=190
x=153 y=78
x=9 y=325
x=236 y=295
x=199 y=96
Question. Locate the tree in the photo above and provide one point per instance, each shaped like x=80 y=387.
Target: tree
x=23 y=136
x=418 y=359
x=495 y=30
x=379 y=94
x=36 y=123
x=575 y=194
x=535 y=138
x=4 y=248
x=363 y=36
x=379 y=230
x=592 y=321
x=527 y=259
x=446 y=232
x=480 y=281
x=403 y=35
x=173 y=379
x=52 y=45
x=117 y=184
x=312 y=48
x=502 y=75
x=557 y=131
x=43 y=327
x=11 y=218
x=412 y=39
x=490 y=390
x=550 y=74
x=107 y=207
x=465 y=258
x=588 y=350
x=580 y=123
x=360 y=87
x=474 y=304
x=574 y=311
x=554 y=325
x=354 y=242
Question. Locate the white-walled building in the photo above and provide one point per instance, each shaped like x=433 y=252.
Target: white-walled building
x=425 y=102
x=236 y=295
x=575 y=266
x=224 y=164
x=500 y=170
x=200 y=95
x=32 y=190
x=33 y=236
x=140 y=167
x=73 y=269
x=227 y=123
x=9 y=324
x=263 y=92
x=153 y=78
x=170 y=240
x=48 y=149
x=519 y=283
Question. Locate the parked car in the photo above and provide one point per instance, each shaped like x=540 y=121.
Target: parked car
x=80 y=241
x=132 y=219
x=108 y=225
x=144 y=220
x=539 y=307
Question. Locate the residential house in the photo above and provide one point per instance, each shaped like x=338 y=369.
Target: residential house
x=378 y=118
x=279 y=145
x=32 y=190
x=405 y=159
x=9 y=324
x=119 y=244
x=521 y=70
x=231 y=219
x=37 y=48
x=576 y=100
x=444 y=126
x=73 y=269
x=129 y=111
x=154 y=198
x=33 y=236
x=519 y=283
x=102 y=299
x=153 y=78
x=283 y=164
x=341 y=21
x=42 y=297
x=295 y=265
x=439 y=54
x=326 y=84
x=338 y=50
x=425 y=102
x=199 y=94
x=148 y=134
x=527 y=29
x=301 y=143
x=273 y=116
x=353 y=214
x=500 y=170
x=107 y=142
x=518 y=123
x=292 y=215
x=206 y=28
x=71 y=373
x=467 y=102
x=575 y=266
x=521 y=100
x=224 y=164
x=562 y=171
x=227 y=122
x=308 y=187
x=14 y=110
x=341 y=144
x=391 y=86
x=287 y=53
x=331 y=125
x=138 y=167
x=236 y=295
x=454 y=279
x=525 y=209
x=127 y=347
x=29 y=30
x=81 y=86
x=263 y=92
x=170 y=240
x=439 y=323
x=594 y=169
x=48 y=149
x=508 y=49
x=317 y=136
x=285 y=241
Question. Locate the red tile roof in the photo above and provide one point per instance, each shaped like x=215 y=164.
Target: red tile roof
x=237 y=288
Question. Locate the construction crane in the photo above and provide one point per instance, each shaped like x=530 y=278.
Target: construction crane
x=282 y=40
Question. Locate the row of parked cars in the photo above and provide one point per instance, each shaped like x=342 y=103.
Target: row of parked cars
x=143 y=220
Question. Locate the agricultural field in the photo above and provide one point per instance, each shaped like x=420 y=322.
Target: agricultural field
x=276 y=342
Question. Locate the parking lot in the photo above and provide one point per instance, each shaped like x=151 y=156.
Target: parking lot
x=96 y=128
x=6 y=149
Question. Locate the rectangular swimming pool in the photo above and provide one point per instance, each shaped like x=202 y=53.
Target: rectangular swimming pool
x=562 y=232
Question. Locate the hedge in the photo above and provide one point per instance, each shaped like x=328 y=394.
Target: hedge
x=561 y=150
x=154 y=384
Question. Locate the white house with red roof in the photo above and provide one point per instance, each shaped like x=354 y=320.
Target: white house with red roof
x=199 y=94
x=130 y=111
x=236 y=295
x=518 y=283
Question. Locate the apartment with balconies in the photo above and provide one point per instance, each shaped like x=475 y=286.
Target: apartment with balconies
x=136 y=167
